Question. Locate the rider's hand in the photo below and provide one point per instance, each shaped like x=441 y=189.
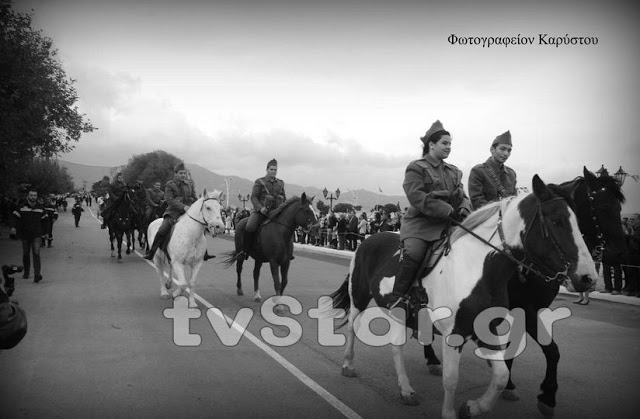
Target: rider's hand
x=263 y=210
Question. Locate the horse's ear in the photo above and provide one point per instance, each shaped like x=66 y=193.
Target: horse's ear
x=222 y=196
x=303 y=198
x=204 y=193
x=589 y=177
x=540 y=189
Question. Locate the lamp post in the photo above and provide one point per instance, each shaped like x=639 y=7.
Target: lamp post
x=620 y=175
x=325 y=192
x=244 y=199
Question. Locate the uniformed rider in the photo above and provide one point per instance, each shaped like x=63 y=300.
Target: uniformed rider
x=155 y=199
x=179 y=194
x=493 y=180
x=435 y=193
x=117 y=189
x=267 y=194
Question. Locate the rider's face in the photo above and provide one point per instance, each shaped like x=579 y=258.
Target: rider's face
x=272 y=171
x=501 y=152
x=182 y=174
x=156 y=185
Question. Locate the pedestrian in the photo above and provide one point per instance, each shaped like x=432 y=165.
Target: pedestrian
x=52 y=216
x=493 y=180
x=352 y=230
x=435 y=193
x=363 y=227
x=77 y=211
x=28 y=224
x=342 y=230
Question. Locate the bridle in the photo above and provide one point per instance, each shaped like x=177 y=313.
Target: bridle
x=526 y=264
x=204 y=220
x=600 y=241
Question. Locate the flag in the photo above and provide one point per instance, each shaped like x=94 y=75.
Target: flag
x=635 y=177
x=379 y=189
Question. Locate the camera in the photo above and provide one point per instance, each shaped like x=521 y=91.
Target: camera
x=9 y=282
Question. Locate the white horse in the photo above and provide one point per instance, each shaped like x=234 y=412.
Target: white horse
x=539 y=229
x=188 y=244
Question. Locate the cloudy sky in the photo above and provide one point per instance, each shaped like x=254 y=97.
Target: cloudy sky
x=340 y=91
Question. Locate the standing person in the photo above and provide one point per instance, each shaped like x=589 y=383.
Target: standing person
x=77 y=211
x=493 y=180
x=266 y=195
x=52 y=216
x=341 y=229
x=116 y=191
x=28 y=223
x=435 y=193
x=352 y=230
x=363 y=226
x=179 y=195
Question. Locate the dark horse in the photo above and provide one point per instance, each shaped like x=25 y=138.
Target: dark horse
x=273 y=244
x=597 y=203
x=121 y=224
x=138 y=197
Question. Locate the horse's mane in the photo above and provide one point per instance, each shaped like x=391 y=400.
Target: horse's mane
x=274 y=214
x=608 y=182
x=476 y=218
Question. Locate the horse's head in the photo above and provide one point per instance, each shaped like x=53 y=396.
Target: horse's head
x=551 y=239
x=599 y=206
x=305 y=215
x=211 y=210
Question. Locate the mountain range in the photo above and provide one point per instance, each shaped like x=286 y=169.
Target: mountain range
x=84 y=176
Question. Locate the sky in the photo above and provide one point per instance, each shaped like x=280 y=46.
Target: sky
x=339 y=92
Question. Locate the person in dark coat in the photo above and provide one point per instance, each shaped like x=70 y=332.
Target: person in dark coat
x=179 y=194
x=116 y=193
x=267 y=194
x=28 y=223
x=77 y=211
x=435 y=193
x=493 y=180
x=154 y=199
x=52 y=216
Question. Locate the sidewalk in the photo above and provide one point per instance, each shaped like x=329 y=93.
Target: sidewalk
x=596 y=295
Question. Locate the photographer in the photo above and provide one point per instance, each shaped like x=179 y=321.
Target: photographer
x=13 y=320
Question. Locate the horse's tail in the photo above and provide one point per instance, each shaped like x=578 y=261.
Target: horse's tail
x=337 y=305
x=232 y=257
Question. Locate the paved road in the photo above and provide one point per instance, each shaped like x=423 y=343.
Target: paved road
x=99 y=345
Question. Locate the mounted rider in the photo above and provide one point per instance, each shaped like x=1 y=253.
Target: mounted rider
x=155 y=199
x=179 y=194
x=117 y=189
x=267 y=194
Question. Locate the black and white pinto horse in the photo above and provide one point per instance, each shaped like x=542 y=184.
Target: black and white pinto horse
x=597 y=204
x=274 y=245
x=539 y=229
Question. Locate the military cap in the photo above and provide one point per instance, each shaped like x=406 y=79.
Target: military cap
x=178 y=167
x=436 y=127
x=272 y=162
x=504 y=138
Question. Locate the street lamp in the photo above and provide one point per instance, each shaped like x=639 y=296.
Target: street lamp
x=325 y=192
x=244 y=199
x=620 y=175
x=602 y=171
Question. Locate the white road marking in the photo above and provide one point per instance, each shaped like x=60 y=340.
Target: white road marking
x=306 y=380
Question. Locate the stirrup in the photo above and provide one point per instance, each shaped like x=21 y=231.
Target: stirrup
x=401 y=300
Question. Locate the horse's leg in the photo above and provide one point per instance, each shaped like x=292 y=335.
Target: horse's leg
x=129 y=242
x=407 y=394
x=487 y=401
x=119 y=235
x=191 y=283
x=239 y=263
x=277 y=285
x=113 y=249
x=348 y=370
x=451 y=357
x=433 y=363
x=178 y=268
x=165 y=283
x=256 y=281
x=284 y=272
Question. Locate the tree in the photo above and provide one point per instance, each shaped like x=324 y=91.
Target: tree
x=101 y=187
x=342 y=207
x=38 y=116
x=149 y=167
x=322 y=207
x=47 y=177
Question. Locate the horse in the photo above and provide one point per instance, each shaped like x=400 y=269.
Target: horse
x=139 y=201
x=274 y=244
x=121 y=224
x=538 y=228
x=188 y=244
x=597 y=203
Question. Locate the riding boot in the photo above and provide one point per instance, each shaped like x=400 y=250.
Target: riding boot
x=156 y=243
x=207 y=256
x=404 y=278
x=104 y=223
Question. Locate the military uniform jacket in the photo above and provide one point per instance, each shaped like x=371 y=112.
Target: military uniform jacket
x=154 y=197
x=482 y=186
x=434 y=189
x=178 y=194
x=117 y=190
x=267 y=193
x=29 y=221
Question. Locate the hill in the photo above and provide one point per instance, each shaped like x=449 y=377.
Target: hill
x=85 y=176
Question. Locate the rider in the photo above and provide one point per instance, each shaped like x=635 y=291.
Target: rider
x=179 y=195
x=493 y=180
x=155 y=199
x=435 y=193
x=116 y=192
x=267 y=194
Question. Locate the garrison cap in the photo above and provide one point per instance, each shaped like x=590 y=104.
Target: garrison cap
x=178 y=167
x=504 y=138
x=436 y=127
x=272 y=162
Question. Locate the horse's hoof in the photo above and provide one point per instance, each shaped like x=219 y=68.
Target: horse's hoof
x=546 y=410
x=258 y=299
x=435 y=369
x=349 y=372
x=239 y=291
x=119 y=260
x=409 y=400
x=128 y=252
x=464 y=411
x=511 y=395
x=279 y=309
x=164 y=296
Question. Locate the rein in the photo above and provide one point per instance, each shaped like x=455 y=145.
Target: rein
x=558 y=276
x=204 y=220
x=600 y=241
